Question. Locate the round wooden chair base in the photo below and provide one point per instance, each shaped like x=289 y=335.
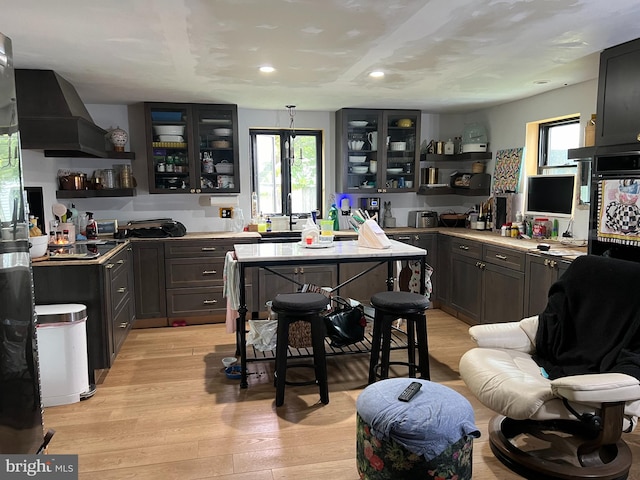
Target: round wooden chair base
x=541 y=450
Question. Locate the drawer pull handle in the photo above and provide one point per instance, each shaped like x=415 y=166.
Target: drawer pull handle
x=546 y=262
x=209 y=272
x=463 y=247
x=208 y=249
x=109 y=265
x=124 y=324
x=122 y=290
x=209 y=302
x=401 y=237
x=501 y=257
x=120 y=262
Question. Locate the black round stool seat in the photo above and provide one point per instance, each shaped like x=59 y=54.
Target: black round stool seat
x=307 y=307
x=390 y=306
x=406 y=302
x=304 y=302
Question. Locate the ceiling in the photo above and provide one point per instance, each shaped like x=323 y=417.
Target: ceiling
x=437 y=55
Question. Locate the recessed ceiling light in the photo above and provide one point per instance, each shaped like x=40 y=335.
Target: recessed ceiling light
x=267 y=69
x=377 y=74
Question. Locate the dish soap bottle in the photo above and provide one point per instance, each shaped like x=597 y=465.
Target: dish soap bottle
x=92 y=228
x=333 y=215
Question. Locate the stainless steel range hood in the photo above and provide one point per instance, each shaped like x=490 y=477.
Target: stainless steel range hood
x=53 y=118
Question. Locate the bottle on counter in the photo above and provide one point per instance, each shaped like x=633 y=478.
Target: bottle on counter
x=482 y=221
x=254 y=206
x=333 y=215
x=92 y=228
x=268 y=224
x=489 y=220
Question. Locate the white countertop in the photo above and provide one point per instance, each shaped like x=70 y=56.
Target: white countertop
x=256 y=253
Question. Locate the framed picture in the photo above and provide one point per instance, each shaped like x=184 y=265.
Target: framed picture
x=107 y=228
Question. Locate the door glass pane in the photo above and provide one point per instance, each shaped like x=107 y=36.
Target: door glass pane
x=268 y=165
x=304 y=174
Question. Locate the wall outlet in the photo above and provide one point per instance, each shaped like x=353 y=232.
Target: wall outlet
x=226 y=212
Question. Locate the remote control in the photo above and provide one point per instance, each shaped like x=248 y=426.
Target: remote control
x=409 y=392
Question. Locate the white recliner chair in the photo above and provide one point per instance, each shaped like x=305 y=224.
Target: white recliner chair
x=565 y=383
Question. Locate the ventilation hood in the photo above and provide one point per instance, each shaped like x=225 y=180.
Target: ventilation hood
x=52 y=117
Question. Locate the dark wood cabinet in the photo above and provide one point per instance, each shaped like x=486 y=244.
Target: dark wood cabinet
x=541 y=272
x=502 y=284
x=487 y=282
x=192 y=148
x=377 y=151
x=466 y=279
x=105 y=289
x=442 y=283
x=618 y=111
x=149 y=282
x=121 y=308
x=194 y=279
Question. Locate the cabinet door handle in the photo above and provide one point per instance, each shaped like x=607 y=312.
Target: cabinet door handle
x=209 y=272
x=402 y=238
x=109 y=265
x=501 y=257
x=124 y=325
x=301 y=270
x=483 y=266
x=122 y=290
x=193 y=190
x=208 y=249
x=553 y=264
x=463 y=247
x=120 y=262
x=209 y=302
x=478 y=264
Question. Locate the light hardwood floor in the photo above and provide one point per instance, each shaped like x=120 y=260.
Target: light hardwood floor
x=167 y=411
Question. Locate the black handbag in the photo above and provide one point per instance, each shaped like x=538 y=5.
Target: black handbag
x=345 y=324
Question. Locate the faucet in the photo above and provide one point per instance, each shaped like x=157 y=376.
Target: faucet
x=290 y=212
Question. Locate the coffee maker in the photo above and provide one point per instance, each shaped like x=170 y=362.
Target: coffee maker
x=371 y=205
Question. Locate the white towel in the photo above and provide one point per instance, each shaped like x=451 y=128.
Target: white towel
x=231 y=290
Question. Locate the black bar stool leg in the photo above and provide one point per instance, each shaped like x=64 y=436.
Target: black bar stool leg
x=423 y=347
x=319 y=358
x=411 y=345
x=281 y=359
x=386 y=347
x=378 y=319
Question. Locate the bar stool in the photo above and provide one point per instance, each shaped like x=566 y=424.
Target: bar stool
x=390 y=306
x=307 y=307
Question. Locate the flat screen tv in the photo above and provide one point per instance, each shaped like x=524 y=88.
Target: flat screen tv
x=550 y=195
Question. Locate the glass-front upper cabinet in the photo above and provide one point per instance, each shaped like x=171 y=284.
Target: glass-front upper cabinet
x=377 y=150
x=192 y=148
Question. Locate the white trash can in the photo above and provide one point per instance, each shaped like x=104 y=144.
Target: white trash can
x=62 y=353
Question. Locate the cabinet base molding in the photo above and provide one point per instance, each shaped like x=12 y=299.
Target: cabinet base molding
x=151 y=322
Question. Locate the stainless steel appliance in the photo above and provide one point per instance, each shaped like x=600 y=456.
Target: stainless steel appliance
x=371 y=205
x=422 y=219
x=21 y=429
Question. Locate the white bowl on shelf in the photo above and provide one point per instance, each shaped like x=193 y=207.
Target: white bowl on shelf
x=358 y=123
x=222 y=132
x=394 y=171
x=169 y=130
x=360 y=170
x=171 y=138
x=224 y=167
x=357 y=158
x=38 y=246
x=398 y=146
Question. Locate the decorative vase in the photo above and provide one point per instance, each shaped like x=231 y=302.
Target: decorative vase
x=118 y=137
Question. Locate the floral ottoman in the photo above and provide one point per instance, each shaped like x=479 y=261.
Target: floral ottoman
x=429 y=437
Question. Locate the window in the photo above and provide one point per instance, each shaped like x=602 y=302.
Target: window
x=287 y=170
x=555 y=139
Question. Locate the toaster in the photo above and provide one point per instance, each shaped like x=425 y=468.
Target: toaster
x=422 y=219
